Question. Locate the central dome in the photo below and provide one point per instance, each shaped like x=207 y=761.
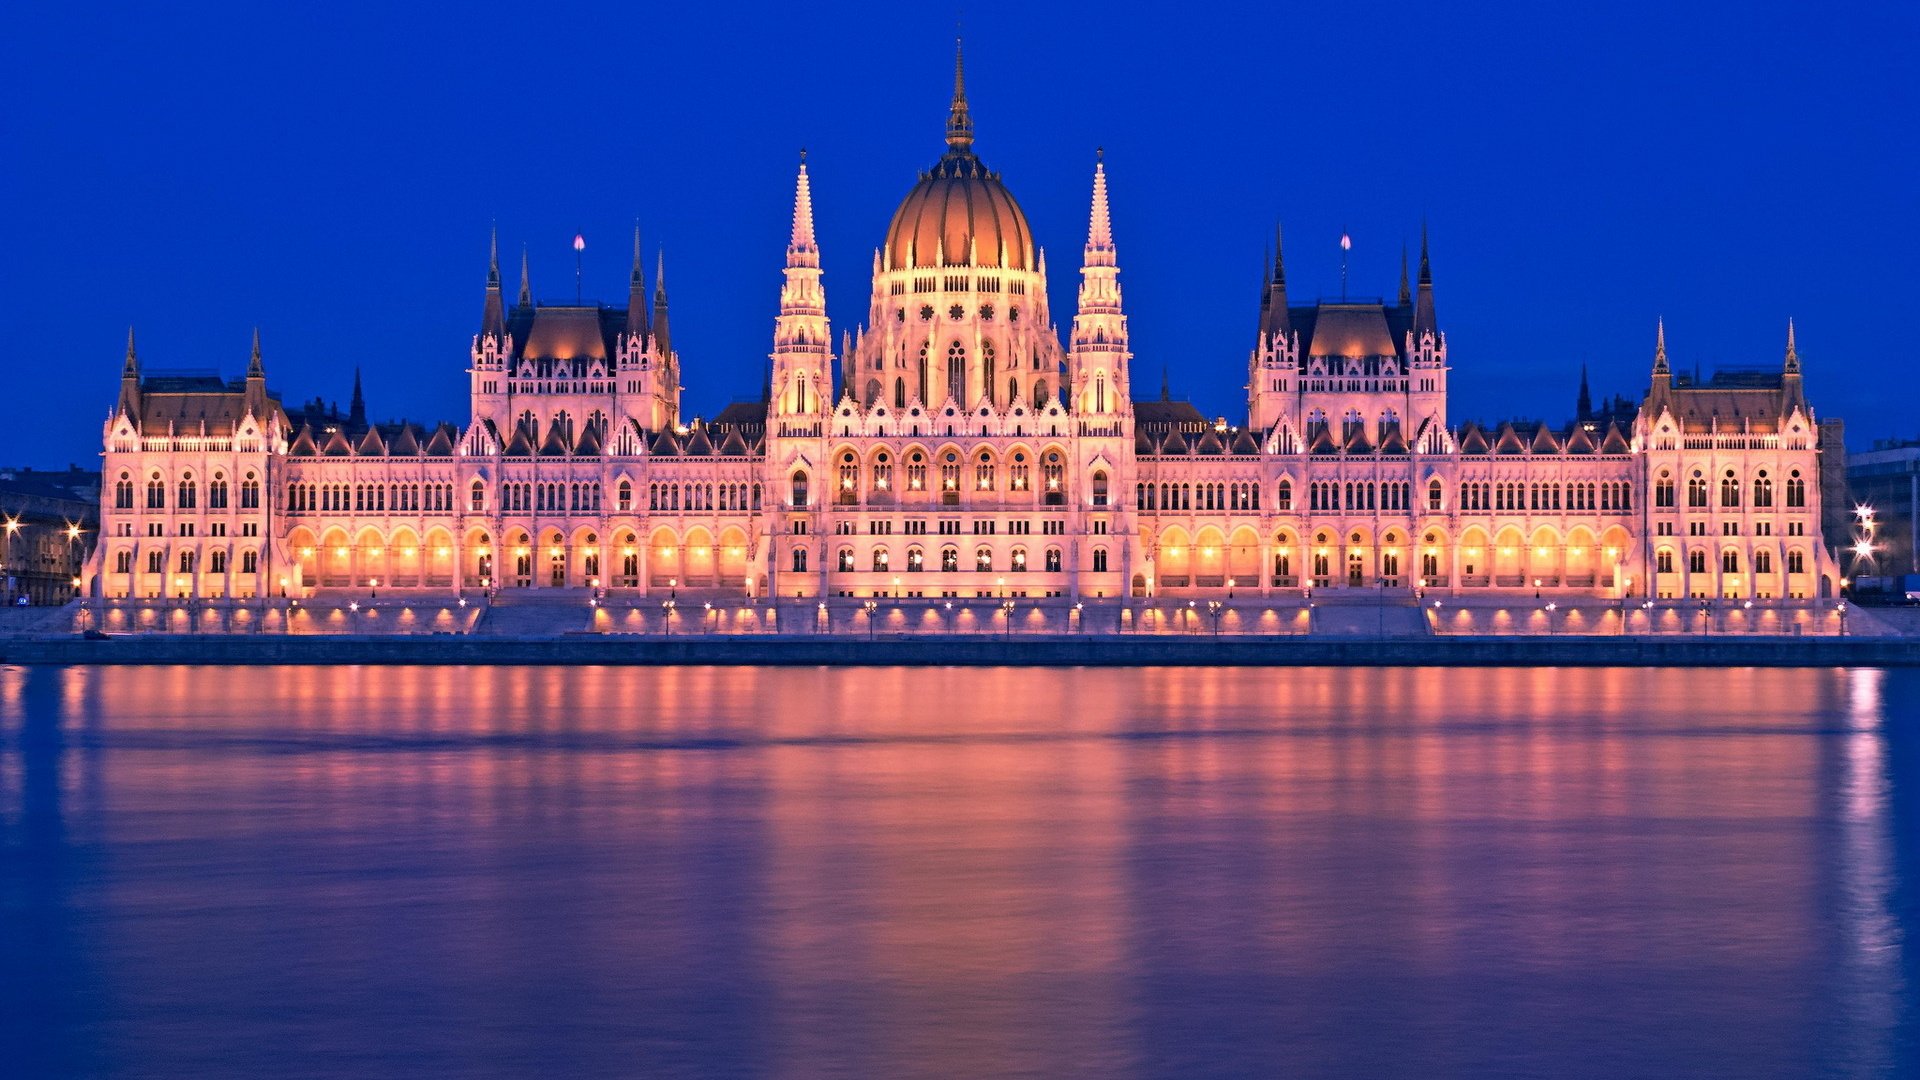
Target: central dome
x=960 y=210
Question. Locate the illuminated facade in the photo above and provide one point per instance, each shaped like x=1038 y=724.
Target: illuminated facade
x=963 y=450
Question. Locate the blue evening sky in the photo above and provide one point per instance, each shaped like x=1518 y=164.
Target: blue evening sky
x=329 y=172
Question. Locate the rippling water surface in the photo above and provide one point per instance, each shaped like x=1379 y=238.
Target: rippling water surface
x=892 y=872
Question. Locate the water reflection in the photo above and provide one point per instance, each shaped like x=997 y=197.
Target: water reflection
x=1172 y=872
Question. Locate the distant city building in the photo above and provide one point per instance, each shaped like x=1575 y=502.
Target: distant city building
x=961 y=443
x=49 y=520
x=1883 y=486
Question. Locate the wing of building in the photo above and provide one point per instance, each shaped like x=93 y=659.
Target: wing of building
x=968 y=447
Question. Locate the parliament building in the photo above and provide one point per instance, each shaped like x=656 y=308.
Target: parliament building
x=962 y=442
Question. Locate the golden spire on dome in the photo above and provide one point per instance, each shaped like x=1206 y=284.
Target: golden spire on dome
x=959 y=121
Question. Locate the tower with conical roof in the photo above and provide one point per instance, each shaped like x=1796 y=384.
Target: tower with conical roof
x=1273 y=364
x=1097 y=356
x=801 y=386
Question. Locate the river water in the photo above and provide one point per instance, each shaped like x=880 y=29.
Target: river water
x=959 y=872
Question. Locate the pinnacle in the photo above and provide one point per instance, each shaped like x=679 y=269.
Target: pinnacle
x=1100 y=227
x=803 y=239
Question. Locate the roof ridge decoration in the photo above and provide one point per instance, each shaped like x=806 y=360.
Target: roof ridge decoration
x=959 y=118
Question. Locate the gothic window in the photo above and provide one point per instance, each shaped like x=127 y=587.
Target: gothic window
x=1018 y=471
x=1663 y=562
x=1055 y=470
x=1697 y=490
x=1053 y=560
x=799 y=483
x=899 y=393
x=1763 y=562
x=156 y=562
x=1099 y=487
x=950 y=477
x=1762 y=489
x=916 y=560
x=479 y=497
x=1040 y=394
x=217 y=493
x=1729 y=490
x=1100 y=560
x=186 y=562
x=1019 y=560
x=983 y=559
x=1796 y=491
x=123 y=562
x=1796 y=562
x=217 y=562
x=123 y=493
x=880 y=560
x=1697 y=562
x=625 y=495
x=187 y=492
x=949 y=560
x=1729 y=561
x=873 y=392
x=799 y=560
x=957 y=372
x=983 y=472
x=846 y=560
x=987 y=369
x=1284 y=496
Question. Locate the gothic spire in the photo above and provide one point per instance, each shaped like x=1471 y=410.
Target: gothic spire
x=636 y=291
x=357 y=410
x=959 y=120
x=1660 y=348
x=492 y=314
x=1583 y=407
x=802 y=241
x=1100 y=222
x=1406 y=294
x=129 y=404
x=254 y=369
x=662 y=339
x=526 y=280
x=1423 y=318
x=1274 y=318
x=132 y=367
x=1793 y=354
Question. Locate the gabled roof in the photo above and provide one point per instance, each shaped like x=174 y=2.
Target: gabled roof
x=1322 y=442
x=734 y=445
x=1357 y=443
x=521 y=445
x=664 y=445
x=589 y=442
x=698 y=445
x=1174 y=444
x=336 y=444
x=1392 y=442
x=1544 y=442
x=1473 y=440
x=404 y=443
x=371 y=444
x=1209 y=443
x=1508 y=440
x=555 y=444
x=303 y=444
x=1245 y=443
x=441 y=445
x=1615 y=442
x=1578 y=441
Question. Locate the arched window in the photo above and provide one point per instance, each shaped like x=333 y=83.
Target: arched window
x=1763 y=562
x=1099 y=560
x=957 y=373
x=983 y=472
x=846 y=560
x=799 y=488
x=123 y=492
x=1019 y=560
x=986 y=371
x=1796 y=491
x=983 y=559
x=217 y=562
x=250 y=493
x=123 y=562
x=899 y=393
x=1697 y=490
x=217 y=492
x=186 y=562
x=799 y=560
x=1099 y=487
x=624 y=493
x=1697 y=562
x=1283 y=496
x=479 y=497
x=187 y=492
x=916 y=560
x=1729 y=561
x=849 y=490
x=880 y=560
x=1053 y=560
x=1663 y=562
x=1730 y=489
x=874 y=391
x=156 y=562
x=250 y=561
x=1054 y=470
x=1796 y=562
x=1040 y=394
x=1762 y=489
x=949 y=560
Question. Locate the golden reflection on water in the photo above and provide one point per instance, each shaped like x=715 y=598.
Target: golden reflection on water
x=1021 y=870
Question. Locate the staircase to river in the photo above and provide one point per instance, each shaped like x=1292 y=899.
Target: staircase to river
x=537 y=613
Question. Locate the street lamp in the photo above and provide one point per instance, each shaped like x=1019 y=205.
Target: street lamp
x=706 y=623
x=1006 y=607
x=667 y=606
x=1551 y=608
x=870 y=607
x=1213 y=608
x=1080 y=617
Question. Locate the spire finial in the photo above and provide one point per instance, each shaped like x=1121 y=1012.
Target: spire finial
x=526 y=281
x=1406 y=294
x=1166 y=393
x=802 y=239
x=1279 y=259
x=636 y=249
x=1660 y=347
x=253 y=365
x=660 y=277
x=1100 y=224
x=1426 y=269
x=493 y=258
x=133 y=361
x=1793 y=354
x=357 y=408
x=959 y=120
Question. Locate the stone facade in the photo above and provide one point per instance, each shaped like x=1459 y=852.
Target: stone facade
x=966 y=451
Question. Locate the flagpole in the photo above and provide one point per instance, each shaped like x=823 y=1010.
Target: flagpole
x=579 y=290
x=1346 y=245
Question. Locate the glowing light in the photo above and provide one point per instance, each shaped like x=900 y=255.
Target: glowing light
x=408 y=552
x=341 y=552
x=579 y=242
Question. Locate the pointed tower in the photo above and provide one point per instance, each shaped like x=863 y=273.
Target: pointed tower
x=662 y=339
x=357 y=409
x=1406 y=293
x=1423 y=320
x=1272 y=368
x=1660 y=394
x=1583 y=406
x=636 y=292
x=1097 y=354
x=256 y=381
x=801 y=384
x=1794 y=395
x=959 y=119
x=493 y=315
x=526 y=280
x=129 y=405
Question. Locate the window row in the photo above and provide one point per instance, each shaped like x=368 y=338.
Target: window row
x=188 y=562
x=186 y=492
x=369 y=498
x=949 y=560
x=1699 y=490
